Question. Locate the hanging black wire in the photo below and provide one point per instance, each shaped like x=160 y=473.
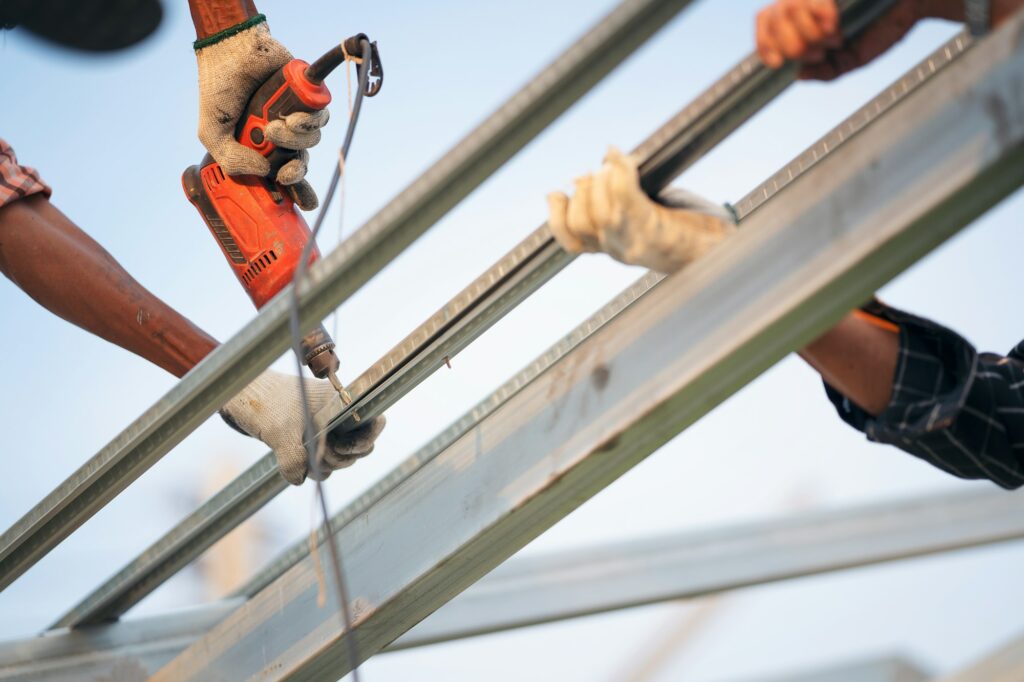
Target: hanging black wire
x=314 y=445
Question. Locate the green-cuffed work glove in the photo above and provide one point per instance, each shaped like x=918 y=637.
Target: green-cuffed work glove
x=232 y=66
x=609 y=212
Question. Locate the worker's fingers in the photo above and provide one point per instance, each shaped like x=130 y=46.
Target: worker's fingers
x=298 y=130
x=798 y=14
x=357 y=442
x=826 y=13
x=578 y=218
x=611 y=198
x=282 y=135
x=605 y=207
x=303 y=195
x=623 y=178
x=626 y=163
x=558 y=208
x=787 y=38
x=334 y=462
x=295 y=170
x=344 y=449
x=235 y=159
x=322 y=473
x=307 y=122
x=766 y=48
x=291 y=463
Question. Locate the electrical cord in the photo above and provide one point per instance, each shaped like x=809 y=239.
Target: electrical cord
x=314 y=455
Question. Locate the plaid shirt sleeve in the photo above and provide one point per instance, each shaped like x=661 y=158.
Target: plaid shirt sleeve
x=17 y=181
x=959 y=410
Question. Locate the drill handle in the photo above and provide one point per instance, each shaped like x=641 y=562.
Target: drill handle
x=287 y=91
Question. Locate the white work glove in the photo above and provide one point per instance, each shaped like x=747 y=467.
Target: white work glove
x=610 y=212
x=230 y=71
x=270 y=409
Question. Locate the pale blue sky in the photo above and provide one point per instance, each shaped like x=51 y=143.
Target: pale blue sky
x=112 y=136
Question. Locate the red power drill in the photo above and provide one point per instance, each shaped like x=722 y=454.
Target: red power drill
x=257 y=225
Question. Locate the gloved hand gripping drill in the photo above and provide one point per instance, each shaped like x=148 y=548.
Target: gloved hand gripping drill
x=253 y=215
x=259 y=111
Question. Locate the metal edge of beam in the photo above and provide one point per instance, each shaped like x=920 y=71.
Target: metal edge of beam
x=569 y=584
x=331 y=280
x=828 y=143
x=712 y=116
x=933 y=163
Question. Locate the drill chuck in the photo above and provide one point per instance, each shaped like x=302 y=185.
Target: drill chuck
x=318 y=353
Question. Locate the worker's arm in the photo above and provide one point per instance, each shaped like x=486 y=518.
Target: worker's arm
x=858 y=357
x=69 y=274
x=912 y=383
x=52 y=260
x=236 y=54
x=809 y=31
x=213 y=16
x=877 y=379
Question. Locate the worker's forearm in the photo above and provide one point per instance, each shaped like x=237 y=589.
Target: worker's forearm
x=858 y=358
x=72 y=276
x=213 y=16
x=954 y=9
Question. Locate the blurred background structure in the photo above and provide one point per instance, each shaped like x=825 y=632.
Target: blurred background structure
x=740 y=467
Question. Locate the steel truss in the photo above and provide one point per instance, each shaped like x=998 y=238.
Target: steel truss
x=932 y=152
x=923 y=170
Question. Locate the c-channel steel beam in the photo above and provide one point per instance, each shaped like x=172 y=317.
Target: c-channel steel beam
x=838 y=136
x=331 y=281
x=929 y=166
x=529 y=591
x=678 y=144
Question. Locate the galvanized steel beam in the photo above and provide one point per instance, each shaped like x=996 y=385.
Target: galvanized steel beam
x=929 y=166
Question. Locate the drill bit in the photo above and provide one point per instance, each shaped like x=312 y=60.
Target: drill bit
x=333 y=378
